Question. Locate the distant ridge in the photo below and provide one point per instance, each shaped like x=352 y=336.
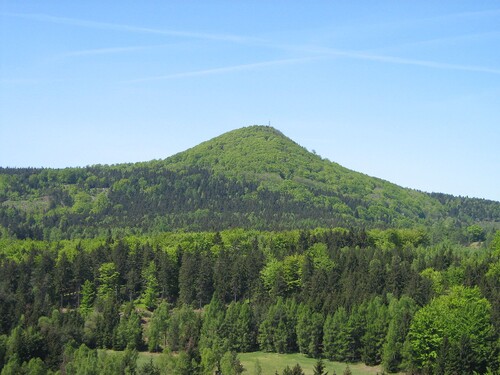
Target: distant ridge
x=253 y=177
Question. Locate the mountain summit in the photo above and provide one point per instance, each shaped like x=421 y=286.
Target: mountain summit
x=253 y=177
x=251 y=150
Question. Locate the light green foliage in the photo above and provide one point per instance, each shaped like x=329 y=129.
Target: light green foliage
x=398 y=238
x=35 y=366
x=209 y=361
x=436 y=278
x=238 y=327
x=108 y=281
x=98 y=362
x=157 y=333
x=151 y=288
x=3 y=349
x=25 y=343
x=212 y=335
x=475 y=233
x=149 y=368
x=82 y=361
x=88 y=296
x=277 y=330
x=12 y=367
x=230 y=364
x=495 y=244
x=100 y=204
x=184 y=327
x=283 y=277
x=335 y=338
x=182 y=365
x=319 y=255
x=82 y=203
x=309 y=331
x=128 y=332
x=494 y=268
x=463 y=312
x=108 y=364
x=494 y=271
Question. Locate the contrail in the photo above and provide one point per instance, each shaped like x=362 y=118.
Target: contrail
x=225 y=69
x=416 y=62
x=360 y=55
x=110 y=50
x=129 y=28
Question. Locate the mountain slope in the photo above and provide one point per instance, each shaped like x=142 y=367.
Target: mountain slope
x=254 y=177
x=263 y=154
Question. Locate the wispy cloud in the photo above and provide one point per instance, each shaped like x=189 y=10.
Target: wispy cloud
x=360 y=55
x=225 y=69
x=109 y=50
x=319 y=53
x=473 y=37
x=470 y=14
x=416 y=62
x=130 y=28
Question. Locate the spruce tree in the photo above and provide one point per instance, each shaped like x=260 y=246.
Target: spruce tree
x=319 y=368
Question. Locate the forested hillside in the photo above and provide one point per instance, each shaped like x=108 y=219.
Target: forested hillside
x=253 y=178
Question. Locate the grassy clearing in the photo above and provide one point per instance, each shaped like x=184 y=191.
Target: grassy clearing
x=271 y=362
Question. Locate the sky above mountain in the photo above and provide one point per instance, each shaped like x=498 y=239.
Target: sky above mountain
x=405 y=91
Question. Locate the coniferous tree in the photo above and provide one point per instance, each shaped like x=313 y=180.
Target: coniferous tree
x=108 y=282
x=204 y=279
x=319 y=368
x=187 y=278
x=245 y=328
x=230 y=364
x=355 y=330
x=128 y=333
x=168 y=274
x=150 y=289
x=336 y=336
x=87 y=299
x=106 y=322
x=375 y=332
x=157 y=332
x=184 y=330
x=309 y=331
x=212 y=329
x=400 y=314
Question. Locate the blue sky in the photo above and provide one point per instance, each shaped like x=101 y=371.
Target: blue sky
x=405 y=91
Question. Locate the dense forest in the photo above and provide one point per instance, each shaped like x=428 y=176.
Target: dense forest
x=382 y=297
x=246 y=242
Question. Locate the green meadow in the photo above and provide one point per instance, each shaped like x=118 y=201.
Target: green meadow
x=272 y=362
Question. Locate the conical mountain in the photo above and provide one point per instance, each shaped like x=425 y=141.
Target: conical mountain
x=265 y=155
x=253 y=177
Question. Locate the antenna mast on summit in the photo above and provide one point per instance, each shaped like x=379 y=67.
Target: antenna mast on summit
x=269 y=122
